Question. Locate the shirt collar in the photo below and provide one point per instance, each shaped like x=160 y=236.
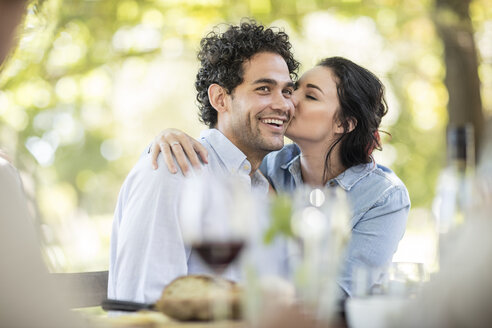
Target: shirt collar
x=346 y=179
x=233 y=158
x=294 y=167
x=354 y=174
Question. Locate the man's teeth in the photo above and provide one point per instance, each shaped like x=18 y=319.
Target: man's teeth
x=272 y=121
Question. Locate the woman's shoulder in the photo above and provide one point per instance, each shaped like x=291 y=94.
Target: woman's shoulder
x=377 y=182
x=377 y=189
x=388 y=176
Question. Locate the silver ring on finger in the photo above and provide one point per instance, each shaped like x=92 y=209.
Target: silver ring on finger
x=174 y=143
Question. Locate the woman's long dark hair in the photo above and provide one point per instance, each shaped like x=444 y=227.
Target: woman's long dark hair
x=361 y=98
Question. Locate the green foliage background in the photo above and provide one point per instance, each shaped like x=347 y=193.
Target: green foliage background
x=92 y=82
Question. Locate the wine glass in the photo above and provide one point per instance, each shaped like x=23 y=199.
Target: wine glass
x=265 y=264
x=320 y=223
x=214 y=213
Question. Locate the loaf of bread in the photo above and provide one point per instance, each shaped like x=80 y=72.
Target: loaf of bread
x=193 y=297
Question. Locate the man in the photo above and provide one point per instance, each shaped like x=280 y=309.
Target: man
x=244 y=90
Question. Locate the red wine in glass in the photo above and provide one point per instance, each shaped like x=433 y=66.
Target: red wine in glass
x=218 y=254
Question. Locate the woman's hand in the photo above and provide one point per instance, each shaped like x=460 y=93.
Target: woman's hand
x=184 y=148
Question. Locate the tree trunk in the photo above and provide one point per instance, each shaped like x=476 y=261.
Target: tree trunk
x=454 y=25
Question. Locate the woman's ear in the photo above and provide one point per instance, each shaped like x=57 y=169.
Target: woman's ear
x=217 y=97
x=352 y=123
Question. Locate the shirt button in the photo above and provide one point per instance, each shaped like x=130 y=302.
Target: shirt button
x=246 y=167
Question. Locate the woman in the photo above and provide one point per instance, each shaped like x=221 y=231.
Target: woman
x=339 y=107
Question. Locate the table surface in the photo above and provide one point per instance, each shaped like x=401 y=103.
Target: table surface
x=147 y=319
x=143 y=319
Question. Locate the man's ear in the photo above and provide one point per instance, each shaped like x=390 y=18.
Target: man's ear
x=352 y=123
x=217 y=96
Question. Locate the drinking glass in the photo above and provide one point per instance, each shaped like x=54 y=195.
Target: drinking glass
x=320 y=223
x=398 y=279
x=266 y=277
x=380 y=293
x=405 y=279
x=214 y=213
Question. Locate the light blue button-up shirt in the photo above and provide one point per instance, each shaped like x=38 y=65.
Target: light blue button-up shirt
x=379 y=202
x=147 y=249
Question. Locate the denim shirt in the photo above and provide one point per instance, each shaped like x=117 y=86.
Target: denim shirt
x=379 y=202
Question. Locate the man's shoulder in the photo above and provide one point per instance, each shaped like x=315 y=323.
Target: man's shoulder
x=144 y=176
x=206 y=143
x=144 y=167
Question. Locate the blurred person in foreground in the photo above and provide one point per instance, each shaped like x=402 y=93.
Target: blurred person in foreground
x=244 y=91
x=339 y=107
x=28 y=297
x=460 y=295
x=12 y=13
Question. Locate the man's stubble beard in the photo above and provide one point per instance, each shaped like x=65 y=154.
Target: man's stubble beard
x=254 y=141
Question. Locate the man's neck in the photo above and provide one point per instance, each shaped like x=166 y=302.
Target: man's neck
x=255 y=161
x=254 y=156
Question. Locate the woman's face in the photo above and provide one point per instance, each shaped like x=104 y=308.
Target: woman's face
x=316 y=102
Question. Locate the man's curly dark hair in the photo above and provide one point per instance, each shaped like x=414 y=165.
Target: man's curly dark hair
x=222 y=56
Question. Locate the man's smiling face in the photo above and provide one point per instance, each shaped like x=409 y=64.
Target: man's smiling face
x=261 y=107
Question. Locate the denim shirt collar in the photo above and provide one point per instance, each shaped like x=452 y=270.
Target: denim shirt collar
x=354 y=174
x=347 y=179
